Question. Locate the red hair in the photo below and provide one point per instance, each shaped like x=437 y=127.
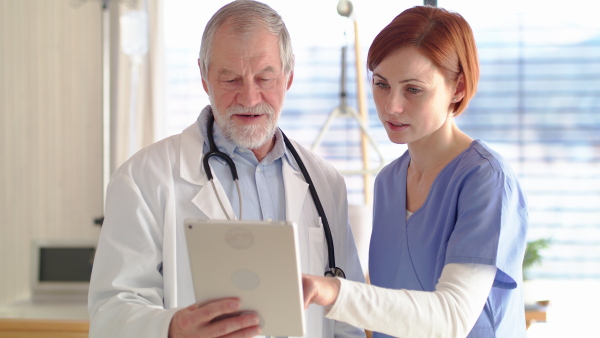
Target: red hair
x=443 y=36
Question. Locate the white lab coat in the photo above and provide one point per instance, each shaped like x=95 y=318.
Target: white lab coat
x=147 y=200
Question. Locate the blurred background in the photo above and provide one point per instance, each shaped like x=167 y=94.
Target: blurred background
x=85 y=84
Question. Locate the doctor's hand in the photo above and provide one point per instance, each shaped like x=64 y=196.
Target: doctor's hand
x=320 y=290
x=213 y=319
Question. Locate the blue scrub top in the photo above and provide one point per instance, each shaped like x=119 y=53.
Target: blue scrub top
x=475 y=213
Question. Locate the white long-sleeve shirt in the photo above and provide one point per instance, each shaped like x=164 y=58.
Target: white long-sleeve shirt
x=449 y=311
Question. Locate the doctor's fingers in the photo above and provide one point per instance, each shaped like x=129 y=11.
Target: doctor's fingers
x=214 y=319
x=240 y=326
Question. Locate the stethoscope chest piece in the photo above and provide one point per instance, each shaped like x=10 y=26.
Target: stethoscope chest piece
x=335 y=272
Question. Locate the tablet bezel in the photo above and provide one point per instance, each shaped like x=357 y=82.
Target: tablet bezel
x=269 y=250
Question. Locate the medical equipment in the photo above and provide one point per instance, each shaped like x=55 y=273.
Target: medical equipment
x=343 y=110
x=61 y=269
x=333 y=271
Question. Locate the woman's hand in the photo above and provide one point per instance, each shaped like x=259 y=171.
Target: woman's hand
x=320 y=290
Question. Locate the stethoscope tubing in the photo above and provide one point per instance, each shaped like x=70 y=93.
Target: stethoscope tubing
x=316 y=200
x=213 y=151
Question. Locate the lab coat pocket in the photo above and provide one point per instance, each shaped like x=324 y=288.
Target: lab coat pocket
x=318 y=250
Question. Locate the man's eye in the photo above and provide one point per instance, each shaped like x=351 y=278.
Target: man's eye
x=266 y=82
x=230 y=83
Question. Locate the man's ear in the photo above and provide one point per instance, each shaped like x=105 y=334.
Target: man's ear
x=290 y=80
x=204 y=84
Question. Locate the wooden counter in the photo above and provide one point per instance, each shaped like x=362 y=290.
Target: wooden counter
x=43 y=328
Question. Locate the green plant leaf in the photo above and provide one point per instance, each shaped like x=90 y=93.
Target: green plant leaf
x=532 y=254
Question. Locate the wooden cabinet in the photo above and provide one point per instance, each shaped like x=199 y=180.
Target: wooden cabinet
x=43 y=328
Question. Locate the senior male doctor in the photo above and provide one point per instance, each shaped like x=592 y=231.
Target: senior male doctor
x=141 y=282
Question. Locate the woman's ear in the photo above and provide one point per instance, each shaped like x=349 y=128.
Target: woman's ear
x=459 y=91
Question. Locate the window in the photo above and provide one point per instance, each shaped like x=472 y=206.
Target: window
x=538 y=102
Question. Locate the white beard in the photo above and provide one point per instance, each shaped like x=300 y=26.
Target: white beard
x=250 y=136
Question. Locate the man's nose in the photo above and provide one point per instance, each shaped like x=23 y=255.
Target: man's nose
x=249 y=95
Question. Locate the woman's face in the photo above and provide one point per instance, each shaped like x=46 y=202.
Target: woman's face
x=413 y=98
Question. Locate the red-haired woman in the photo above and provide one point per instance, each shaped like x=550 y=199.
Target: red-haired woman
x=449 y=217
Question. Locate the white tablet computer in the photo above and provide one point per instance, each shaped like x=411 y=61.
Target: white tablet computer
x=256 y=261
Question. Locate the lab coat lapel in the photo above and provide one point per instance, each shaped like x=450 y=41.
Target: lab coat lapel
x=207 y=201
x=191 y=170
x=295 y=192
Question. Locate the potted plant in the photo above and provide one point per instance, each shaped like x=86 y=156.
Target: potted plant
x=532 y=254
x=536 y=297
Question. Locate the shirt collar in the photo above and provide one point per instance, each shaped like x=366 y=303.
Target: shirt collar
x=288 y=156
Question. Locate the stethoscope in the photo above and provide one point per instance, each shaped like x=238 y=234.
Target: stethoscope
x=333 y=270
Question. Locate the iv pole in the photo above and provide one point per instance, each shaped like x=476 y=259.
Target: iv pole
x=344 y=8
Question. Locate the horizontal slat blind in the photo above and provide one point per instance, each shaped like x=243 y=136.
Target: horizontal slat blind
x=538 y=104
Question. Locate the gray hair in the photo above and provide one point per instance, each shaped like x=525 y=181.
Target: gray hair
x=245 y=16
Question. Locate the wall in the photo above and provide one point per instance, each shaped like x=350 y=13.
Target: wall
x=50 y=129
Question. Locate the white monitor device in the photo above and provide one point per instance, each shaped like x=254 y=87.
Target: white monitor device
x=256 y=261
x=61 y=269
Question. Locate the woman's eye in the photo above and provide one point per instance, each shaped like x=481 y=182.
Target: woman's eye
x=414 y=90
x=381 y=85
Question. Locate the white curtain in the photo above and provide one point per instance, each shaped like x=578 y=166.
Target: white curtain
x=137 y=76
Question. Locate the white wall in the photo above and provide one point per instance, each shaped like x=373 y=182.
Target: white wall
x=50 y=129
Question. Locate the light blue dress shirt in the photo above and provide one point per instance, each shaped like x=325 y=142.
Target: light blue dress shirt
x=261 y=183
